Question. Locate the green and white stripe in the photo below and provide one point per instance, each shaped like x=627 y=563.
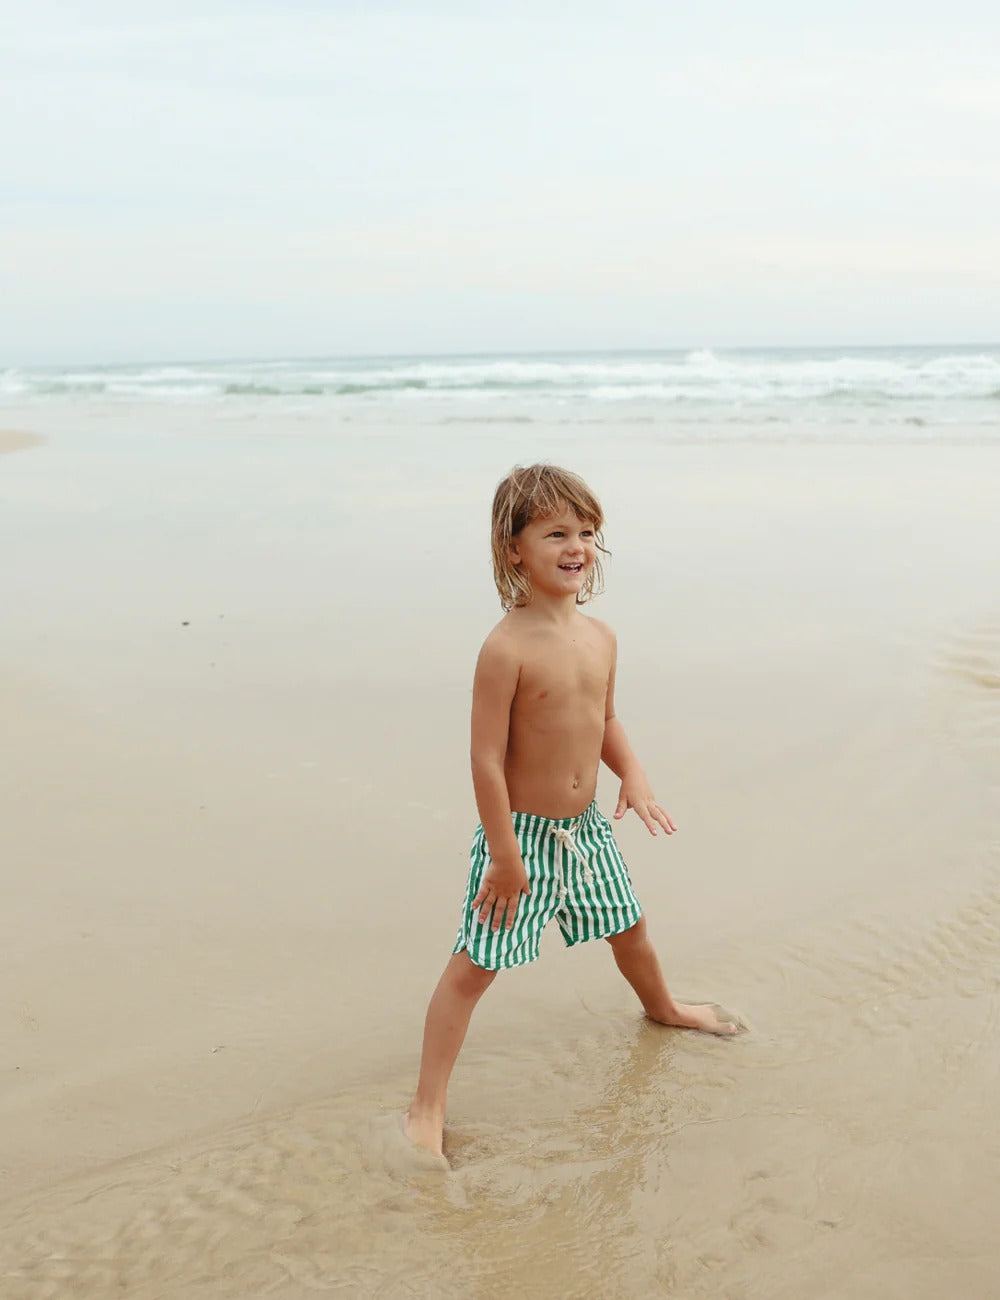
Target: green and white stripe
x=577 y=875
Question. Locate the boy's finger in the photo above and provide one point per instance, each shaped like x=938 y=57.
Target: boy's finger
x=512 y=911
x=622 y=805
x=498 y=911
x=662 y=816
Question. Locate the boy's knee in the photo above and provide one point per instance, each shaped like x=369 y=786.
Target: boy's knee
x=625 y=938
x=469 y=979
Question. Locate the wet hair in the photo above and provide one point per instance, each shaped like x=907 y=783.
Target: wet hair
x=534 y=492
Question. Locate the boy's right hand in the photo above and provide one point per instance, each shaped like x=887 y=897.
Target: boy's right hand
x=500 y=892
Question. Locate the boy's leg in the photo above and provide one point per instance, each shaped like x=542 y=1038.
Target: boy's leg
x=452 y=1003
x=638 y=962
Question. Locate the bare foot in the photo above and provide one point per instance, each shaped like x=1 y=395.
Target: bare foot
x=425 y=1129
x=702 y=1015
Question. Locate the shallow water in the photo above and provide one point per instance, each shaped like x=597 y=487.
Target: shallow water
x=260 y=822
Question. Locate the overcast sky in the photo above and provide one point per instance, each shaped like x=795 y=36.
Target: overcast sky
x=277 y=179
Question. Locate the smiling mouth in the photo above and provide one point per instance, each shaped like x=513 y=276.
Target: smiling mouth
x=571 y=568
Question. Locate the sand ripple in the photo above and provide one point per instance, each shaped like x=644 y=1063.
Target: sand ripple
x=970 y=664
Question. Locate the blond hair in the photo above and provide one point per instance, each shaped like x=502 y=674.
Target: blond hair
x=534 y=492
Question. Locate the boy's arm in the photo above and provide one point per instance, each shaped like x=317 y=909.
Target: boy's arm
x=618 y=754
x=505 y=879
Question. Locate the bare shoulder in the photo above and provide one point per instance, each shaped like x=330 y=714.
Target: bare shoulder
x=497 y=677
x=502 y=647
x=603 y=630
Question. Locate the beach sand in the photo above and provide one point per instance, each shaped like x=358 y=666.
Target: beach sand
x=12 y=441
x=235 y=682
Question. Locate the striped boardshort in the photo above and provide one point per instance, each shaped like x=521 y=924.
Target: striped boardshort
x=577 y=875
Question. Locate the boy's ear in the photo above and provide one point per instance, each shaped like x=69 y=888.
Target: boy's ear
x=513 y=554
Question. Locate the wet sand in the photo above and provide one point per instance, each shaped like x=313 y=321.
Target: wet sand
x=235 y=685
x=13 y=441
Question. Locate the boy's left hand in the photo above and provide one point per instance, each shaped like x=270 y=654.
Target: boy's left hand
x=638 y=796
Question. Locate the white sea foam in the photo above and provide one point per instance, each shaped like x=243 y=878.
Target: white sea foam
x=925 y=386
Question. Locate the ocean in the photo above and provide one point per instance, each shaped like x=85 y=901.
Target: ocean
x=865 y=392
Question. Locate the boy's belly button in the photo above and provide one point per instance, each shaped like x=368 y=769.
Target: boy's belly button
x=576 y=783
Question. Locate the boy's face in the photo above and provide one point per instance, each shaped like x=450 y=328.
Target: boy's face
x=557 y=552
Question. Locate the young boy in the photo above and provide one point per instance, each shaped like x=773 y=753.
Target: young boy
x=543 y=719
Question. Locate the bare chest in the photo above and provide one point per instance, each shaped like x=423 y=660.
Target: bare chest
x=564 y=677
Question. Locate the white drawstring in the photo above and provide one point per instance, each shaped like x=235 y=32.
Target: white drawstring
x=564 y=835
